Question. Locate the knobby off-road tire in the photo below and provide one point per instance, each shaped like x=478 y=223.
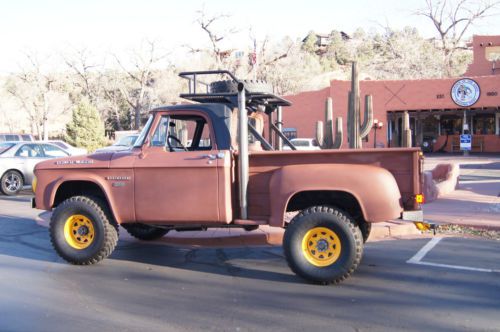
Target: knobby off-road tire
x=145 y=232
x=323 y=244
x=82 y=230
x=232 y=86
x=11 y=183
x=366 y=228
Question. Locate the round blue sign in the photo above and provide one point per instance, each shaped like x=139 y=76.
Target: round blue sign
x=465 y=92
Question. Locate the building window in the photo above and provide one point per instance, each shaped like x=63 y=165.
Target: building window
x=451 y=125
x=492 y=53
x=483 y=124
x=290 y=133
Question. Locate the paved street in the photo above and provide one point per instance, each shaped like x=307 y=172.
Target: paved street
x=451 y=284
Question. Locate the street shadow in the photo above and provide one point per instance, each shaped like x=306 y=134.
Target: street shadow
x=19 y=198
x=256 y=262
x=487 y=166
x=24 y=238
x=485 y=188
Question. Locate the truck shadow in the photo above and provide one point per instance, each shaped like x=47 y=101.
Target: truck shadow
x=23 y=238
x=259 y=262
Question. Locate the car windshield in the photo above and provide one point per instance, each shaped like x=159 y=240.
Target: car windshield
x=126 y=140
x=142 y=136
x=60 y=144
x=5 y=146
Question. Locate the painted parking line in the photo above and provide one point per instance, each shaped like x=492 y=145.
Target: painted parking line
x=417 y=259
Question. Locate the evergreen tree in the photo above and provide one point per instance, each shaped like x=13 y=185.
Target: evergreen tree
x=86 y=129
x=310 y=43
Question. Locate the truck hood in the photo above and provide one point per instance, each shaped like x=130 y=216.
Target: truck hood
x=95 y=160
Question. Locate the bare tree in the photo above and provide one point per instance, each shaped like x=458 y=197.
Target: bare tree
x=39 y=95
x=139 y=71
x=88 y=73
x=216 y=36
x=113 y=98
x=452 y=20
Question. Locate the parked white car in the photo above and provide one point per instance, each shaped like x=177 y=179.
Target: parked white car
x=74 y=151
x=124 y=143
x=18 y=159
x=11 y=137
x=308 y=144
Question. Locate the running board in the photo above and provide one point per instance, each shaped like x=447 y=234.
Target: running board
x=246 y=222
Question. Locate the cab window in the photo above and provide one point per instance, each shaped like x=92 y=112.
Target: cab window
x=182 y=132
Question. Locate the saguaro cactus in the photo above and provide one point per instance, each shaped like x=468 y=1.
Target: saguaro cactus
x=406 y=141
x=355 y=130
x=325 y=135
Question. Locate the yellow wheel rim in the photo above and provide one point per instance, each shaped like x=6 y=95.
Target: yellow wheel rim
x=79 y=231
x=321 y=246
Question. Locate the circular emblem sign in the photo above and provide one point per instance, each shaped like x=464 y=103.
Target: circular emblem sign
x=465 y=92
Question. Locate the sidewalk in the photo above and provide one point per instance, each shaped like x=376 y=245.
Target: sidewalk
x=476 y=202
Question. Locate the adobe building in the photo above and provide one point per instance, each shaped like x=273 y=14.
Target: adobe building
x=437 y=107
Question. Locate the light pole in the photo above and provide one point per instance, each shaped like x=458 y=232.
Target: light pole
x=376 y=125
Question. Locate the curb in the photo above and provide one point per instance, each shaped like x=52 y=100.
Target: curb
x=393 y=228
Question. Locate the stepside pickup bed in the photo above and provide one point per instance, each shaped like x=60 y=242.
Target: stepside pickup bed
x=162 y=184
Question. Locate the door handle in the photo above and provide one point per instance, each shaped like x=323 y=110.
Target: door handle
x=210 y=156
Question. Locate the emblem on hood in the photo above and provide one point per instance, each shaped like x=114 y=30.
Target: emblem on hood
x=74 y=162
x=118 y=178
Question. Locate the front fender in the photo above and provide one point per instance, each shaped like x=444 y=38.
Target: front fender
x=374 y=188
x=47 y=188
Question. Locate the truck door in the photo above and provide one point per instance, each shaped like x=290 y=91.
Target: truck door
x=176 y=175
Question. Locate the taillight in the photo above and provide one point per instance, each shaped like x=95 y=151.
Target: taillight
x=420 y=199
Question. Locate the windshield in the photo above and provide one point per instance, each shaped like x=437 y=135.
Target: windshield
x=5 y=146
x=142 y=136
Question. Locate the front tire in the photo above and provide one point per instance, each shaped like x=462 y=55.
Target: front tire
x=366 y=228
x=323 y=245
x=81 y=230
x=145 y=232
x=11 y=183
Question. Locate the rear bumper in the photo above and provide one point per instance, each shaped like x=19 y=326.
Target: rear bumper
x=415 y=215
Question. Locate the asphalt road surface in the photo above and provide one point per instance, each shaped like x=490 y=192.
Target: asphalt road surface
x=450 y=284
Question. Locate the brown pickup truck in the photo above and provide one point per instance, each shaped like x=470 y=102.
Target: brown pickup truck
x=191 y=169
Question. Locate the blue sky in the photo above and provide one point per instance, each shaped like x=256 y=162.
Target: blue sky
x=104 y=26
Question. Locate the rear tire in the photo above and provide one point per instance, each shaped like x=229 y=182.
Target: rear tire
x=81 y=231
x=323 y=245
x=145 y=232
x=11 y=183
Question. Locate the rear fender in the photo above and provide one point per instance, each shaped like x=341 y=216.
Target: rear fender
x=373 y=187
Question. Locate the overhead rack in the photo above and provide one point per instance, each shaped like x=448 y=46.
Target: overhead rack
x=270 y=101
